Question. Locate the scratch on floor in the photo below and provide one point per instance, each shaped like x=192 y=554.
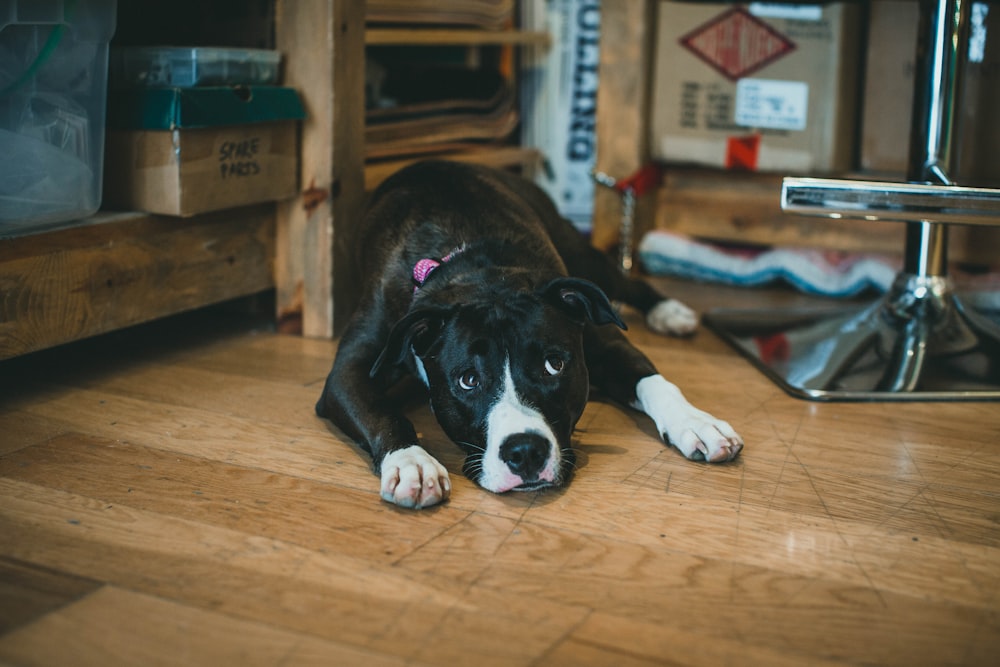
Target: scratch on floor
x=847 y=544
x=788 y=454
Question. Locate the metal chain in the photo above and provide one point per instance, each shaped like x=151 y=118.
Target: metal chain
x=627 y=220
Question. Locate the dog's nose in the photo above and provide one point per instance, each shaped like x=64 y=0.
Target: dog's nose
x=525 y=454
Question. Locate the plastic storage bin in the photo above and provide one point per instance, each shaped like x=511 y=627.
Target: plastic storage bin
x=53 y=90
x=187 y=67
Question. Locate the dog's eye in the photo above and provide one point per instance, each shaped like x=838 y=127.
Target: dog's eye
x=554 y=366
x=469 y=380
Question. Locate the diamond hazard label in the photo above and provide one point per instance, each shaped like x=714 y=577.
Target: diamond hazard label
x=736 y=43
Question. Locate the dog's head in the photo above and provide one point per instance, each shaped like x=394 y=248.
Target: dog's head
x=507 y=376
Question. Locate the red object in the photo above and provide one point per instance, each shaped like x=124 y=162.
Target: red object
x=641 y=181
x=742 y=152
x=773 y=348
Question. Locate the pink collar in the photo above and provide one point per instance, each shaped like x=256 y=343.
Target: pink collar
x=425 y=267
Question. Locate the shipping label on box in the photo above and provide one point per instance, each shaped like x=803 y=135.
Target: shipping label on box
x=759 y=86
x=771 y=104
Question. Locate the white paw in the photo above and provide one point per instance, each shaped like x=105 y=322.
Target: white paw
x=698 y=435
x=701 y=437
x=670 y=316
x=413 y=478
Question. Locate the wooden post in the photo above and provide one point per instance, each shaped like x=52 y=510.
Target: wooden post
x=323 y=47
x=628 y=30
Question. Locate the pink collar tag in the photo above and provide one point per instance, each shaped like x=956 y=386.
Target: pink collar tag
x=421 y=270
x=425 y=267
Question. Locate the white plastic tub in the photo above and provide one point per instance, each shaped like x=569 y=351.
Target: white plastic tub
x=53 y=91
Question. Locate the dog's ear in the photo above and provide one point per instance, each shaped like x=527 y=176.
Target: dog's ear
x=582 y=299
x=417 y=330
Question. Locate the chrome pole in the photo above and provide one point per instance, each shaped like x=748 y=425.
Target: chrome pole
x=941 y=52
x=915 y=299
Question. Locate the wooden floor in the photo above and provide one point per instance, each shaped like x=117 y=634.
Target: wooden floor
x=168 y=497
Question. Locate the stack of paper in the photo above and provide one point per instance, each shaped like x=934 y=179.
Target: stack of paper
x=487 y=14
x=426 y=108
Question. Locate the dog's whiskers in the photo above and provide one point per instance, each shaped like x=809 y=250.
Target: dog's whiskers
x=472 y=445
x=568 y=457
x=473 y=466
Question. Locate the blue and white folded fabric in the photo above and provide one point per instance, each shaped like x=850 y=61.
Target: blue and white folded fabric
x=829 y=273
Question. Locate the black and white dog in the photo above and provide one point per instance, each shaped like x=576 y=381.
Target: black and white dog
x=474 y=284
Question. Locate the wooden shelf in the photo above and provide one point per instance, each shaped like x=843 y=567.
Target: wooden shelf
x=382 y=162
x=119 y=269
x=453 y=37
x=504 y=156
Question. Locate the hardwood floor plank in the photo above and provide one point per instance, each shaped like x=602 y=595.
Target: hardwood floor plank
x=292 y=510
x=127 y=537
x=253 y=399
x=670 y=644
x=492 y=628
x=300 y=448
x=859 y=554
x=118 y=627
x=328 y=594
x=321 y=517
x=29 y=592
x=301 y=445
x=290 y=359
x=247 y=576
x=582 y=653
x=713 y=596
x=23 y=430
x=602 y=637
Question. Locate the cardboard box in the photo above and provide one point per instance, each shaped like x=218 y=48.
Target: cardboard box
x=756 y=86
x=888 y=98
x=183 y=151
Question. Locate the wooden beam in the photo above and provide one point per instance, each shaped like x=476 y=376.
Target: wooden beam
x=323 y=47
x=627 y=34
x=118 y=270
x=454 y=37
x=502 y=157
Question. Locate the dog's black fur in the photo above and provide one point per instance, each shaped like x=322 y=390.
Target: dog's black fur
x=518 y=286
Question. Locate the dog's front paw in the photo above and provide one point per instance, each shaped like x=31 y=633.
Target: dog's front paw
x=701 y=437
x=698 y=435
x=413 y=478
x=670 y=316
